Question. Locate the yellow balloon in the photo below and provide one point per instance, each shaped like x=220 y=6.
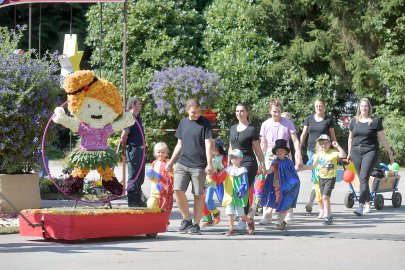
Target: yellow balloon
x=351 y=167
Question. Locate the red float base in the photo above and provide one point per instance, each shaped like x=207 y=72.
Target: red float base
x=73 y=226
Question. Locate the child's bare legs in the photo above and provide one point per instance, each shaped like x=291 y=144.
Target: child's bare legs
x=280 y=224
x=320 y=204
x=326 y=206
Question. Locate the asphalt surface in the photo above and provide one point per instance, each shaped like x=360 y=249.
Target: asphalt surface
x=372 y=241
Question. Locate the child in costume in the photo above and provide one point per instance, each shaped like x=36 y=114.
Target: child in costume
x=214 y=183
x=96 y=105
x=326 y=160
x=236 y=193
x=282 y=184
x=315 y=181
x=161 y=195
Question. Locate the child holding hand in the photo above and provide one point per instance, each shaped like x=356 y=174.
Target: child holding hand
x=161 y=194
x=282 y=184
x=236 y=192
x=325 y=160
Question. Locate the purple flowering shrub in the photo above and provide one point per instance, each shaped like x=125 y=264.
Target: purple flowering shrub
x=171 y=88
x=29 y=87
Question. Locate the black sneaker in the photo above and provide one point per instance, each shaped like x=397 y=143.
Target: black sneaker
x=194 y=229
x=185 y=226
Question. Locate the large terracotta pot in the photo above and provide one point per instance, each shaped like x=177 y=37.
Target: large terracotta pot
x=22 y=190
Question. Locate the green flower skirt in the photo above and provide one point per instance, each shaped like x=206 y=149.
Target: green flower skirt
x=93 y=159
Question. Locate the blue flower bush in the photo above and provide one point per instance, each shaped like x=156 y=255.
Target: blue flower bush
x=171 y=88
x=29 y=87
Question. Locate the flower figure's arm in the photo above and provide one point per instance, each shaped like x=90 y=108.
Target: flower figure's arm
x=60 y=117
x=125 y=121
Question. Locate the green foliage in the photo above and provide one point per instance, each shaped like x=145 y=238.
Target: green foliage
x=238 y=52
x=28 y=96
x=394 y=126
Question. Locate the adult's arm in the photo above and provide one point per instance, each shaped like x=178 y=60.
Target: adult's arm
x=349 y=146
x=258 y=151
x=209 y=147
x=124 y=138
x=175 y=155
x=297 y=147
x=383 y=140
x=332 y=134
x=304 y=134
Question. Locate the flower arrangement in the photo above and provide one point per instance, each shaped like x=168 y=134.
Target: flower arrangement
x=171 y=88
x=28 y=93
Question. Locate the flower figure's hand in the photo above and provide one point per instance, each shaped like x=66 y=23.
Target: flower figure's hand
x=59 y=114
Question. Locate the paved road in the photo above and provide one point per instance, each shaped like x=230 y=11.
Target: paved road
x=374 y=241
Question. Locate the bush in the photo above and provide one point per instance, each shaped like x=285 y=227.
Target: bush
x=171 y=88
x=28 y=95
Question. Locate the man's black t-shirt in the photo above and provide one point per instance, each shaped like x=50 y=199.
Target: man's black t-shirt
x=365 y=134
x=243 y=140
x=316 y=129
x=193 y=135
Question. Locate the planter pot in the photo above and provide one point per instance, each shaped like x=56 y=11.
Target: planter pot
x=22 y=190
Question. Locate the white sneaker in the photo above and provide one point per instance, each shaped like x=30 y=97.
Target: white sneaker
x=289 y=217
x=358 y=211
x=320 y=216
x=241 y=226
x=367 y=209
x=265 y=221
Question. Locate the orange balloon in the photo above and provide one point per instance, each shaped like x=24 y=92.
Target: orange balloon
x=348 y=176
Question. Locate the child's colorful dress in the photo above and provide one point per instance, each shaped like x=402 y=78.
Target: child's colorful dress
x=162 y=188
x=285 y=179
x=214 y=184
x=236 y=182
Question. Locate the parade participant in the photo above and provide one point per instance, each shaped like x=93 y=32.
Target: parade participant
x=274 y=128
x=132 y=140
x=365 y=132
x=161 y=194
x=326 y=160
x=194 y=152
x=236 y=193
x=96 y=104
x=245 y=137
x=282 y=184
x=214 y=184
x=314 y=126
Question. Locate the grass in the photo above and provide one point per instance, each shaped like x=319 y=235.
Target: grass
x=9 y=230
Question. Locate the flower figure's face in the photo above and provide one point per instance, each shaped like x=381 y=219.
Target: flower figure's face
x=95 y=113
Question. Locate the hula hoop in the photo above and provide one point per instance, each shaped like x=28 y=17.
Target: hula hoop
x=78 y=199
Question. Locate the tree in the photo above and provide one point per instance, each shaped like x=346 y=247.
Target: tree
x=238 y=52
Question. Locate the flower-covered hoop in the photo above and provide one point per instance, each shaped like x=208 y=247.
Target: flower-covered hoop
x=72 y=197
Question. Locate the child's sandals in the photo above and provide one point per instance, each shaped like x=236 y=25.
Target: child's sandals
x=251 y=227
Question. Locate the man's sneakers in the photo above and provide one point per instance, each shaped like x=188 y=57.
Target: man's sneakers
x=194 y=229
x=358 y=211
x=185 y=226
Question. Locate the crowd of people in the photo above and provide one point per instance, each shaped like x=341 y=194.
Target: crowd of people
x=265 y=155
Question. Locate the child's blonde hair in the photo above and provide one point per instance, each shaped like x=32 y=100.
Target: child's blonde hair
x=159 y=146
x=82 y=84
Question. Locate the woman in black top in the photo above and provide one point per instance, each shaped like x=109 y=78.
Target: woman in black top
x=365 y=132
x=314 y=126
x=245 y=137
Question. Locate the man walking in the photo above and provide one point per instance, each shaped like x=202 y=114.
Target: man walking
x=194 y=151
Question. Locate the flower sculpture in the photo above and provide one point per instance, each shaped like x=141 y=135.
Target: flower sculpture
x=96 y=106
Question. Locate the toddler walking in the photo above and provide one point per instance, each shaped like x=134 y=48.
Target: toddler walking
x=282 y=185
x=326 y=160
x=236 y=193
x=161 y=194
x=214 y=184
